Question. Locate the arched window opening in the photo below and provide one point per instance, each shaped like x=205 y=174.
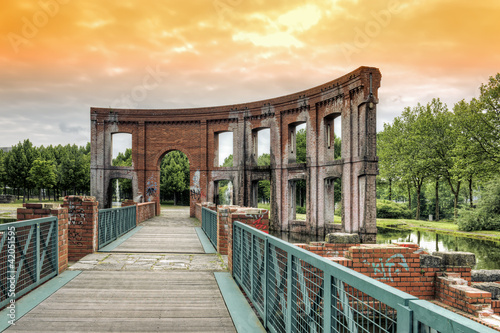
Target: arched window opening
x=121 y=149
x=225 y=149
x=262 y=146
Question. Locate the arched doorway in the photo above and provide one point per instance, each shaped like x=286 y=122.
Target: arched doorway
x=175 y=179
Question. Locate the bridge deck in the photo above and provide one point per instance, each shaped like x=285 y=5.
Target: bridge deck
x=134 y=290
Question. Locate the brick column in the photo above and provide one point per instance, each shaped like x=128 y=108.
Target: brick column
x=35 y=211
x=257 y=218
x=82 y=226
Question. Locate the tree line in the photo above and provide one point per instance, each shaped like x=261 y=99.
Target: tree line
x=47 y=171
x=439 y=160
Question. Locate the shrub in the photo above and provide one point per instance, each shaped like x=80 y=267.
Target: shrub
x=486 y=216
x=300 y=210
x=392 y=210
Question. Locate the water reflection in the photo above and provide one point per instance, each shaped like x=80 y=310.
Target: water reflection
x=487 y=252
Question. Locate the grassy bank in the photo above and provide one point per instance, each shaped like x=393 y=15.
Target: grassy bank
x=444 y=227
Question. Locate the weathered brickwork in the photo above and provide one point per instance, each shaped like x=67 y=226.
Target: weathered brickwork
x=83 y=218
x=35 y=211
x=145 y=211
x=349 y=100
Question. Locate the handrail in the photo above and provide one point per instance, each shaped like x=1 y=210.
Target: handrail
x=29 y=256
x=209 y=224
x=295 y=290
x=114 y=222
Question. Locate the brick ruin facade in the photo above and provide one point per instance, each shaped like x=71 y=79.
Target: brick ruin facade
x=350 y=100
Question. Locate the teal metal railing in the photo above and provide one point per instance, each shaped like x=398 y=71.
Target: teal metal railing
x=294 y=290
x=115 y=222
x=28 y=256
x=209 y=224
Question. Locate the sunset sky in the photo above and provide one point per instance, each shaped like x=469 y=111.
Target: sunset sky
x=60 y=57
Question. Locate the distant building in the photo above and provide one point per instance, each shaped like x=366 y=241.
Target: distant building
x=6 y=149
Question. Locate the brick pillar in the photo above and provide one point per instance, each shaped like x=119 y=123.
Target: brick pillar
x=82 y=226
x=257 y=218
x=35 y=211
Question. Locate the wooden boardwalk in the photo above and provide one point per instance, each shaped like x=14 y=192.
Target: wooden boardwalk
x=116 y=299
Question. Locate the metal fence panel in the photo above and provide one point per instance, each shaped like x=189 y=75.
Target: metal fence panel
x=209 y=224
x=115 y=222
x=431 y=318
x=294 y=290
x=29 y=256
x=303 y=292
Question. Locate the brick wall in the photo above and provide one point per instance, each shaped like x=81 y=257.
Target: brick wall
x=145 y=211
x=197 y=211
x=226 y=215
x=83 y=218
x=454 y=291
x=35 y=211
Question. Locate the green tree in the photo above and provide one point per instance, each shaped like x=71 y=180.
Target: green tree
x=300 y=144
x=228 y=161
x=264 y=160
x=174 y=175
x=3 y=172
x=18 y=165
x=482 y=120
x=43 y=175
x=487 y=214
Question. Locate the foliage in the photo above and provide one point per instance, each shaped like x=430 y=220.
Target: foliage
x=228 y=161
x=70 y=165
x=300 y=210
x=300 y=146
x=123 y=159
x=429 y=146
x=43 y=174
x=392 y=210
x=264 y=194
x=174 y=176
x=486 y=216
x=264 y=160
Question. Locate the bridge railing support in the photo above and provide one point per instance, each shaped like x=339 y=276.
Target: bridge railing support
x=115 y=222
x=209 y=224
x=294 y=290
x=29 y=256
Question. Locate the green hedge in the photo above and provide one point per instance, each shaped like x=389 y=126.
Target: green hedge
x=392 y=210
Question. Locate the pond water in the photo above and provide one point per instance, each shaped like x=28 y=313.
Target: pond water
x=487 y=252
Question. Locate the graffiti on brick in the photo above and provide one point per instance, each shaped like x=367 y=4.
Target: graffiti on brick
x=257 y=220
x=76 y=215
x=151 y=188
x=196 y=189
x=75 y=237
x=389 y=268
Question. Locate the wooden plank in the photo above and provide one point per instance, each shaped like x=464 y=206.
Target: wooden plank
x=118 y=301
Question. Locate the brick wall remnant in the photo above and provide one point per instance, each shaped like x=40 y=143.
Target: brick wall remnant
x=350 y=100
x=83 y=218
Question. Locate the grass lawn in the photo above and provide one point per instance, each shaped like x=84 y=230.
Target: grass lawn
x=445 y=227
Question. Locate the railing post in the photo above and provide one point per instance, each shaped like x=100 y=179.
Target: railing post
x=289 y=286
x=252 y=290
x=36 y=253
x=405 y=319
x=264 y=285
x=327 y=302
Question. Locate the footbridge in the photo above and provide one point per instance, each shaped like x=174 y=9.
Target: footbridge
x=165 y=275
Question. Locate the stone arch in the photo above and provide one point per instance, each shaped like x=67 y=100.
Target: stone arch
x=351 y=99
